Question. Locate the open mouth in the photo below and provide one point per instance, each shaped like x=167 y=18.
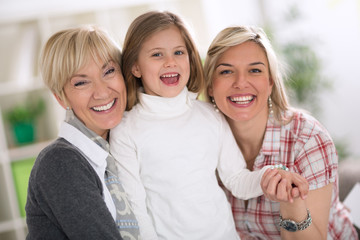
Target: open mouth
x=242 y=100
x=104 y=107
x=170 y=79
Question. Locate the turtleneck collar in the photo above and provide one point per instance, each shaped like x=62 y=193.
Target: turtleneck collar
x=162 y=106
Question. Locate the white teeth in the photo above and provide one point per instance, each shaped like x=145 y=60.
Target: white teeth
x=170 y=75
x=242 y=99
x=105 y=107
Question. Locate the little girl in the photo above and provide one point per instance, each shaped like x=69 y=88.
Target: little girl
x=169 y=144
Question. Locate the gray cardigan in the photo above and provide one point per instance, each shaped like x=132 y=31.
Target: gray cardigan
x=65 y=197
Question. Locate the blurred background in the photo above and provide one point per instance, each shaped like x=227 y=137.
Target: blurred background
x=318 y=40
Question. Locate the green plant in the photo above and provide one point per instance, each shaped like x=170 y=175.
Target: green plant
x=305 y=78
x=26 y=112
x=342 y=148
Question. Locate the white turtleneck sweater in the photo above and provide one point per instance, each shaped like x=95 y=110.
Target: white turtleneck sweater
x=167 y=151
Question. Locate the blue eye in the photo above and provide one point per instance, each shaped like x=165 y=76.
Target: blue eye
x=255 y=70
x=223 y=72
x=179 y=53
x=156 y=55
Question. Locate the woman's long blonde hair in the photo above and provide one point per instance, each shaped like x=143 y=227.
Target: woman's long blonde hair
x=233 y=36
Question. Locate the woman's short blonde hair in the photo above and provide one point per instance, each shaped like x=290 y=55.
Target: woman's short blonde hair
x=69 y=50
x=139 y=31
x=233 y=36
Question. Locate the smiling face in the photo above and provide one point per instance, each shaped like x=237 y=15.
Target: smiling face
x=241 y=82
x=163 y=63
x=97 y=95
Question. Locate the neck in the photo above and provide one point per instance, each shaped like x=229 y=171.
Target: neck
x=249 y=136
x=105 y=135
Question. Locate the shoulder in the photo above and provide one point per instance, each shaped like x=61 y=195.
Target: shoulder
x=129 y=123
x=60 y=159
x=211 y=118
x=304 y=127
x=59 y=149
x=313 y=149
x=129 y=118
x=207 y=109
x=202 y=104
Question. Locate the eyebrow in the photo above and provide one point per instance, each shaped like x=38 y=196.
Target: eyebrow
x=256 y=63
x=84 y=75
x=161 y=48
x=230 y=65
x=224 y=64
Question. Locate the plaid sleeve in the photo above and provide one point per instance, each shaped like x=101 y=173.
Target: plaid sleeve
x=317 y=161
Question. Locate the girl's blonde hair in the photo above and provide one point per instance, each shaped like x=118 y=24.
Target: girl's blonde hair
x=67 y=51
x=233 y=36
x=139 y=31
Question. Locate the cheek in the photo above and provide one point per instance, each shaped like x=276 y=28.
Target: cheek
x=121 y=91
x=76 y=100
x=218 y=87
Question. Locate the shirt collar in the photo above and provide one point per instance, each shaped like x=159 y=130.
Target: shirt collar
x=271 y=143
x=89 y=148
x=159 y=106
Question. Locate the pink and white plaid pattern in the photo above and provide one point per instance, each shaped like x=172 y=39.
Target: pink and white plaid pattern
x=305 y=147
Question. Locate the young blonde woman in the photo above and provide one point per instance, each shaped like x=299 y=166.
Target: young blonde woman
x=245 y=83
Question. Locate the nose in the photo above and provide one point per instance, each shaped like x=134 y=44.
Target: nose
x=101 y=90
x=170 y=61
x=240 y=81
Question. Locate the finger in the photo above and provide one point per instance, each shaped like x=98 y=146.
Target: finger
x=272 y=186
x=288 y=190
x=281 y=193
x=269 y=190
x=302 y=185
x=295 y=192
x=268 y=175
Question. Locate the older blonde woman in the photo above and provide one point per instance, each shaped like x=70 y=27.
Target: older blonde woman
x=73 y=191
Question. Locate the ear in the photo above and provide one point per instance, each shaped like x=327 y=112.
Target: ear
x=271 y=84
x=210 y=91
x=136 y=71
x=60 y=101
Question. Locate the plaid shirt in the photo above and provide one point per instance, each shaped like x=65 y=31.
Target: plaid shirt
x=305 y=147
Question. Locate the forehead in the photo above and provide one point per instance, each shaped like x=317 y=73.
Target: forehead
x=170 y=36
x=246 y=53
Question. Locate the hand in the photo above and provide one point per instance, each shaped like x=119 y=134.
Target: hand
x=282 y=186
x=297 y=185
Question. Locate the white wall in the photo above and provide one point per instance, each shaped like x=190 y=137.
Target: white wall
x=334 y=28
x=333 y=25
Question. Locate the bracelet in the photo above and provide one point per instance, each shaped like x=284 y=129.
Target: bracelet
x=279 y=166
x=293 y=226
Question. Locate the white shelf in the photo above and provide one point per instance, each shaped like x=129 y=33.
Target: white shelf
x=11 y=88
x=20 y=153
x=11 y=225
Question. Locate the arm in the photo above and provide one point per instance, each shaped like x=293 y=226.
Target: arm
x=232 y=170
x=124 y=151
x=319 y=163
x=318 y=203
x=69 y=192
